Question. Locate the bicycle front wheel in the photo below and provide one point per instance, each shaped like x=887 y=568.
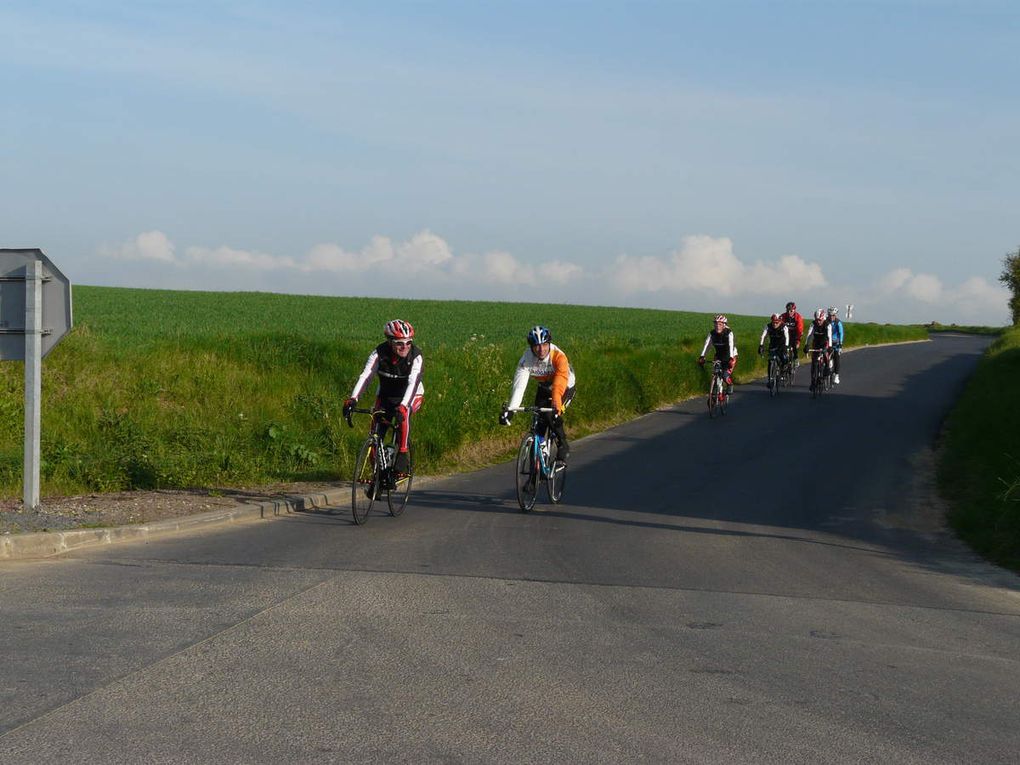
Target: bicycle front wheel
x=365 y=487
x=713 y=397
x=527 y=474
x=397 y=496
x=557 y=476
x=773 y=378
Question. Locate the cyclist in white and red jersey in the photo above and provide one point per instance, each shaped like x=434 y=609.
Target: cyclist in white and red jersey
x=398 y=364
x=819 y=338
x=721 y=339
x=549 y=365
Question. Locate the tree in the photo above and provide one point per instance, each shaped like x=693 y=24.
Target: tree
x=1011 y=278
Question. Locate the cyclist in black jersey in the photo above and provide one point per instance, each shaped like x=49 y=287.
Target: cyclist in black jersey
x=398 y=363
x=778 y=335
x=721 y=339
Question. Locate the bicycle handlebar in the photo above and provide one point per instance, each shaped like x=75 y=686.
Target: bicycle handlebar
x=356 y=410
x=540 y=409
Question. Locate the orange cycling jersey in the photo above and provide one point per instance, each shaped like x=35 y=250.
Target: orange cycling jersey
x=554 y=368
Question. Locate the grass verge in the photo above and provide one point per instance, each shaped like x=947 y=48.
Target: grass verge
x=979 y=468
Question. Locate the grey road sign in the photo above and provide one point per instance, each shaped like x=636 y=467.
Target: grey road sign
x=56 y=302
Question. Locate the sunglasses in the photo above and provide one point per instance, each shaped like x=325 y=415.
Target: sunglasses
x=401 y=343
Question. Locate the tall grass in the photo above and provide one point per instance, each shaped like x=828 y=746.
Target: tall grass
x=156 y=388
x=979 y=469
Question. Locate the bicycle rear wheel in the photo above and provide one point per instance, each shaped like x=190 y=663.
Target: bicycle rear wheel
x=527 y=474
x=557 y=475
x=397 y=496
x=365 y=486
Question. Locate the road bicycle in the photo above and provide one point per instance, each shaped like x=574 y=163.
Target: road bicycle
x=373 y=469
x=821 y=380
x=789 y=370
x=536 y=461
x=778 y=368
x=718 y=391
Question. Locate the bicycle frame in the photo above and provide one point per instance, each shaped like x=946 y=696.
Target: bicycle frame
x=534 y=463
x=539 y=455
x=719 y=371
x=540 y=447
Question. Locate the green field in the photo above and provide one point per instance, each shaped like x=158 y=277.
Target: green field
x=169 y=389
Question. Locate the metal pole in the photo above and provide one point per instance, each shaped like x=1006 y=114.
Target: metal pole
x=33 y=381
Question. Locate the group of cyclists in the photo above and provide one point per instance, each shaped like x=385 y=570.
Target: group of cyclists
x=398 y=364
x=783 y=332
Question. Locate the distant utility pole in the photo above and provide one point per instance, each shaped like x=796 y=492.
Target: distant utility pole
x=849 y=311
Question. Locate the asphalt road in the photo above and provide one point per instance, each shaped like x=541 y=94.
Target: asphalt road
x=773 y=586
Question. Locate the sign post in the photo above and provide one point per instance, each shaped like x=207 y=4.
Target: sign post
x=33 y=381
x=35 y=313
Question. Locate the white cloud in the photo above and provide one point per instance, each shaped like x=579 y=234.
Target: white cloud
x=894 y=280
x=228 y=257
x=504 y=268
x=905 y=296
x=424 y=250
x=560 y=272
x=706 y=263
x=149 y=246
x=425 y=257
x=926 y=288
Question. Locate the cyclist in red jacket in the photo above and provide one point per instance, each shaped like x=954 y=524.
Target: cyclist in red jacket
x=795 y=326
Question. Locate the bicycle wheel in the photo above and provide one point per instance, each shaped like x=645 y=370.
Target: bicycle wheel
x=713 y=398
x=397 y=496
x=557 y=475
x=527 y=474
x=724 y=398
x=773 y=377
x=365 y=486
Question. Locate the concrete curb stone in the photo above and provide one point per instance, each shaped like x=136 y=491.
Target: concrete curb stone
x=48 y=543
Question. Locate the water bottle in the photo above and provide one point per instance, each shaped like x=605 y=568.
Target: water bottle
x=543 y=445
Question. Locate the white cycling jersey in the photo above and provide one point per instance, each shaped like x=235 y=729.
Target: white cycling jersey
x=554 y=368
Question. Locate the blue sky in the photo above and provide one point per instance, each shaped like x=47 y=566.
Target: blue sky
x=693 y=155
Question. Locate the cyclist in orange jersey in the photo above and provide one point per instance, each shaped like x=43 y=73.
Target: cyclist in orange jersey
x=549 y=365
